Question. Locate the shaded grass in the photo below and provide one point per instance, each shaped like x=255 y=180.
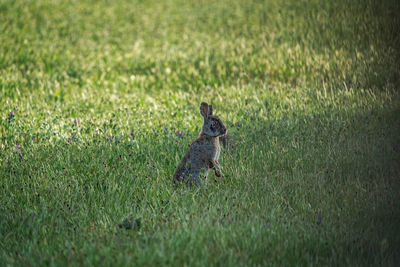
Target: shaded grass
x=268 y=216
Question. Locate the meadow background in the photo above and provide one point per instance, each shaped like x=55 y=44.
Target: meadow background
x=92 y=94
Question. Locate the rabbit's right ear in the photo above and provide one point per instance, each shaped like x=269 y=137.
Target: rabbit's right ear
x=204 y=109
x=209 y=111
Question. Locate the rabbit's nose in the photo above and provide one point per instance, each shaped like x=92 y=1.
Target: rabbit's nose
x=223 y=131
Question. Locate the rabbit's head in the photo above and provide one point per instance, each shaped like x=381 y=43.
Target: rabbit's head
x=212 y=126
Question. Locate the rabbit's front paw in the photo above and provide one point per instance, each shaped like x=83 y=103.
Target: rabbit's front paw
x=218 y=173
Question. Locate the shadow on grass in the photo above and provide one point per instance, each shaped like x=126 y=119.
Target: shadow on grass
x=333 y=173
x=317 y=188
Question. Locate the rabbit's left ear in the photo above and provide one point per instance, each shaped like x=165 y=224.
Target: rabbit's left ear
x=204 y=109
x=209 y=110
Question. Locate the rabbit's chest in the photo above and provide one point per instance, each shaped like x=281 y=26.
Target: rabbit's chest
x=213 y=152
x=210 y=152
x=205 y=150
x=216 y=154
x=204 y=153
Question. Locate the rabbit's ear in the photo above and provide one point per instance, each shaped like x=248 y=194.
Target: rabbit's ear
x=209 y=110
x=204 y=109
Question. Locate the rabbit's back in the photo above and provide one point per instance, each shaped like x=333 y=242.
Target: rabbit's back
x=180 y=170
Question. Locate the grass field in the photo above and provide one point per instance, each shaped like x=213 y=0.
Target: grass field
x=92 y=94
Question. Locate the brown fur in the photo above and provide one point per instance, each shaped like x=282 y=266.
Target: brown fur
x=203 y=153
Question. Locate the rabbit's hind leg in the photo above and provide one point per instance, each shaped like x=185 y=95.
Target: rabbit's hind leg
x=193 y=179
x=197 y=177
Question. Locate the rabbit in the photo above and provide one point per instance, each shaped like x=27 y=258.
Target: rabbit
x=203 y=153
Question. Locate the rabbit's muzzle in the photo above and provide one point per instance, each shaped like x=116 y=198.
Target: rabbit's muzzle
x=223 y=131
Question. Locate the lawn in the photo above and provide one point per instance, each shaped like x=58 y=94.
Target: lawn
x=93 y=94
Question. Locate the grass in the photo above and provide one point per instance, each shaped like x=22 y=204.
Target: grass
x=98 y=89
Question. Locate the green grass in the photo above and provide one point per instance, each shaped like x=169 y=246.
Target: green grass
x=307 y=89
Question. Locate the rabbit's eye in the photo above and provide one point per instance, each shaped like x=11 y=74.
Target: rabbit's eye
x=214 y=123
